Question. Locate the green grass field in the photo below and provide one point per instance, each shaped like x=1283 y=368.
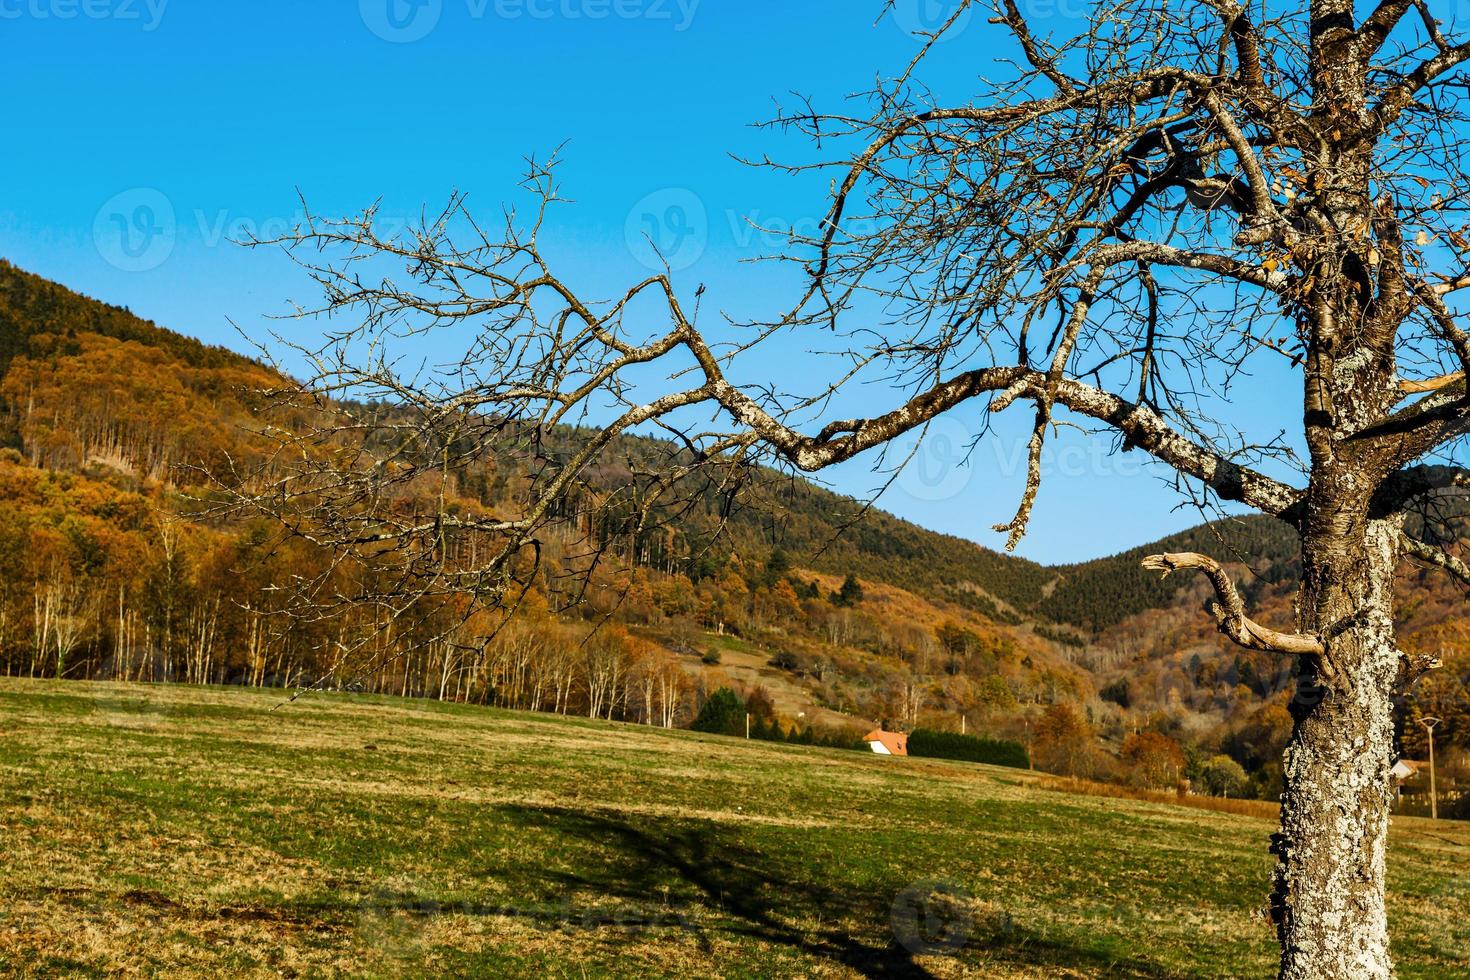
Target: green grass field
x=178 y=831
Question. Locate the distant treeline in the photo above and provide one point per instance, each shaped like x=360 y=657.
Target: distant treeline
x=927 y=742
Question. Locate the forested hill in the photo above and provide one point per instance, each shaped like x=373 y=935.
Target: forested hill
x=834 y=534
x=1098 y=594
x=89 y=388
x=1092 y=596
x=34 y=309
x=84 y=383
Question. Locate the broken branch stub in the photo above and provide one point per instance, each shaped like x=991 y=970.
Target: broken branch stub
x=1229 y=610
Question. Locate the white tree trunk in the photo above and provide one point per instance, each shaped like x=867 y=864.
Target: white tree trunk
x=1330 y=875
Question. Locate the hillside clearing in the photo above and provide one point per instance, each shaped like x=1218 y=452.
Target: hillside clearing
x=198 y=832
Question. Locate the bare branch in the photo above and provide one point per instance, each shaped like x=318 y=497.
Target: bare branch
x=1229 y=610
x=1042 y=62
x=1412 y=667
x=1437 y=557
x=1378 y=25
x=1401 y=95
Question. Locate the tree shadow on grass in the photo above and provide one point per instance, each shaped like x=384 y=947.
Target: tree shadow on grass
x=772 y=898
x=692 y=864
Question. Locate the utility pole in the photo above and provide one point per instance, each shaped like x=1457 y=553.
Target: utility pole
x=1429 y=724
x=747 y=724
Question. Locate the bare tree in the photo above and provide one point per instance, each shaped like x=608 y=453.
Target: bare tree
x=1122 y=223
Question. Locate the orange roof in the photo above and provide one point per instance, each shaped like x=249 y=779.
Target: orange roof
x=896 y=743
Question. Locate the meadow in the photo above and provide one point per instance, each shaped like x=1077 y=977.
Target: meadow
x=171 y=830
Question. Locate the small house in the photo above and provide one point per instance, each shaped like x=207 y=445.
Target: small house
x=1403 y=771
x=887 y=743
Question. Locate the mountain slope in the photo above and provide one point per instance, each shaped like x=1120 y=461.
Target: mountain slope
x=1098 y=594
x=31 y=306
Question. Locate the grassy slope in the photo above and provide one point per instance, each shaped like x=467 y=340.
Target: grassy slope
x=144 y=829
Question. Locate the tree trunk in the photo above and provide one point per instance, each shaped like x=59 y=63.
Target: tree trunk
x=1328 y=901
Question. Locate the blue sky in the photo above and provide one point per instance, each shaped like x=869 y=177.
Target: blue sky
x=198 y=121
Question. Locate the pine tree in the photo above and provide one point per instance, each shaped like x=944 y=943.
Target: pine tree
x=851 y=592
x=723 y=713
